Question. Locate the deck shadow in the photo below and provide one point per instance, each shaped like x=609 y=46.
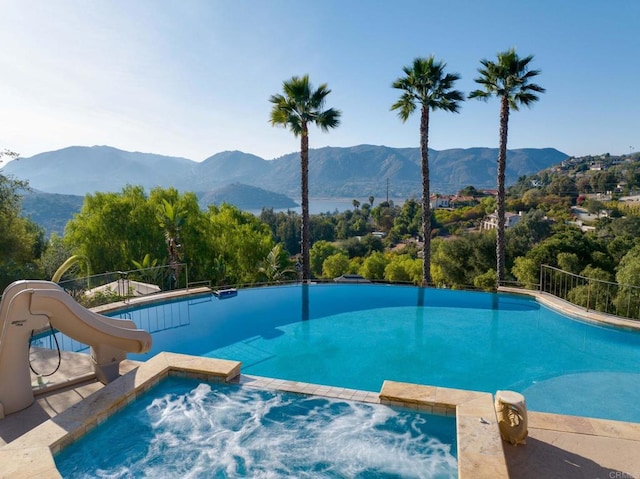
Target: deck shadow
x=538 y=459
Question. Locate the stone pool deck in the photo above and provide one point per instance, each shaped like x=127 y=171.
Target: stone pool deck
x=557 y=446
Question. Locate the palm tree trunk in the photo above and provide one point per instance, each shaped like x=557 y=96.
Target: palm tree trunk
x=426 y=205
x=304 y=176
x=502 y=165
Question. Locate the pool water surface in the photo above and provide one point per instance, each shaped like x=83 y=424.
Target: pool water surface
x=356 y=336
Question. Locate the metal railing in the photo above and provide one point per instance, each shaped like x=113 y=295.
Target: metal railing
x=122 y=286
x=592 y=294
x=105 y=288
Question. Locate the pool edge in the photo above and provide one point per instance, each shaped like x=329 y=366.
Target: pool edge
x=573 y=311
x=480 y=447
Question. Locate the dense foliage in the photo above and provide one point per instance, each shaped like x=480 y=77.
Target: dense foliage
x=22 y=240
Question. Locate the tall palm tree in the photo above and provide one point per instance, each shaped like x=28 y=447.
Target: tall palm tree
x=426 y=84
x=299 y=106
x=509 y=79
x=171 y=219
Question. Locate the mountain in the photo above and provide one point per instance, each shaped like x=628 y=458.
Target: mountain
x=357 y=171
x=80 y=170
x=246 y=198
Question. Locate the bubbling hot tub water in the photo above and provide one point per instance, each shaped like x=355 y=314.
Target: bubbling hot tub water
x=188 y=429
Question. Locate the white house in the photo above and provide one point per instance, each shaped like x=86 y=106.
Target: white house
x=437 y=201
x=510 y=220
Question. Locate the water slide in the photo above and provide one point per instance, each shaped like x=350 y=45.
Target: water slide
x=30 y=305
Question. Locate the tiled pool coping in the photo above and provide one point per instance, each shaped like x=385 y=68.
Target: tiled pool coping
x=480 y=452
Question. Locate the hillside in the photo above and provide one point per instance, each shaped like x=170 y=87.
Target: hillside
x=361 y=170
x=50 y=210
x=246 y=198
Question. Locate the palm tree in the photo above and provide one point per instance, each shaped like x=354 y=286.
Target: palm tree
x=508 y=79
x=299 y=106
x=426 y=84
x=275 y=267
x=171 y=219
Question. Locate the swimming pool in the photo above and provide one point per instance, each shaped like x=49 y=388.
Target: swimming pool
x=189 y=429
x=357 y=336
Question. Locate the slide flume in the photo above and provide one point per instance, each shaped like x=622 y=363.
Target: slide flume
x=31 y=305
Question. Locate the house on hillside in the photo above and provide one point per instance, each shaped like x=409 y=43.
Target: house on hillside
x=439 y=201
x=491 y=221
x=458 y=201
x=596 y=167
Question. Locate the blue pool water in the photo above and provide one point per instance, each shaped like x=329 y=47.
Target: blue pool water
x=186 y=429
x=357 y=336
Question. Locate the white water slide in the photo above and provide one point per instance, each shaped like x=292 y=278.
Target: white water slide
x=30 y=305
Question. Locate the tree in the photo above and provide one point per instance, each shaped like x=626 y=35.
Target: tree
x=373 y=266
x=148 y=270
x=450 y=259
x=509 y=79
x=569 y=262
x=299 y=106
x=486 y=281
x=322 y=250
x=55 y=254
x=238 y=244
x=112 y=229
x=11 y=155
x=527 y=271
x=335 y=265
x=532 y=228
x=409 y=222
x=563 y=186
x=193 y=227
x=468 y=191
x=171 y=219
x=597 y=293
x=593 y=206
x=21 y=240
x=426 y=84
x=628 y=279
x=285 y=227
x=384 y=215
x=276 y=266
x=403 y=269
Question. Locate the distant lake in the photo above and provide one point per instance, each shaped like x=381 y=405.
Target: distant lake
x=331 y=205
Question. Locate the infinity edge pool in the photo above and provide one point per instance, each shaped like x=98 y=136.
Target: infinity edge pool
x=481 y=452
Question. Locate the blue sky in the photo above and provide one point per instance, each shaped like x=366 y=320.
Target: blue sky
x=192 y=78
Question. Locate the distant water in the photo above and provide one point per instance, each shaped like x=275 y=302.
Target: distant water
x=331 y=205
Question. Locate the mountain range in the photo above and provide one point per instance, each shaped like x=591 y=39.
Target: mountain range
x=350 y=172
